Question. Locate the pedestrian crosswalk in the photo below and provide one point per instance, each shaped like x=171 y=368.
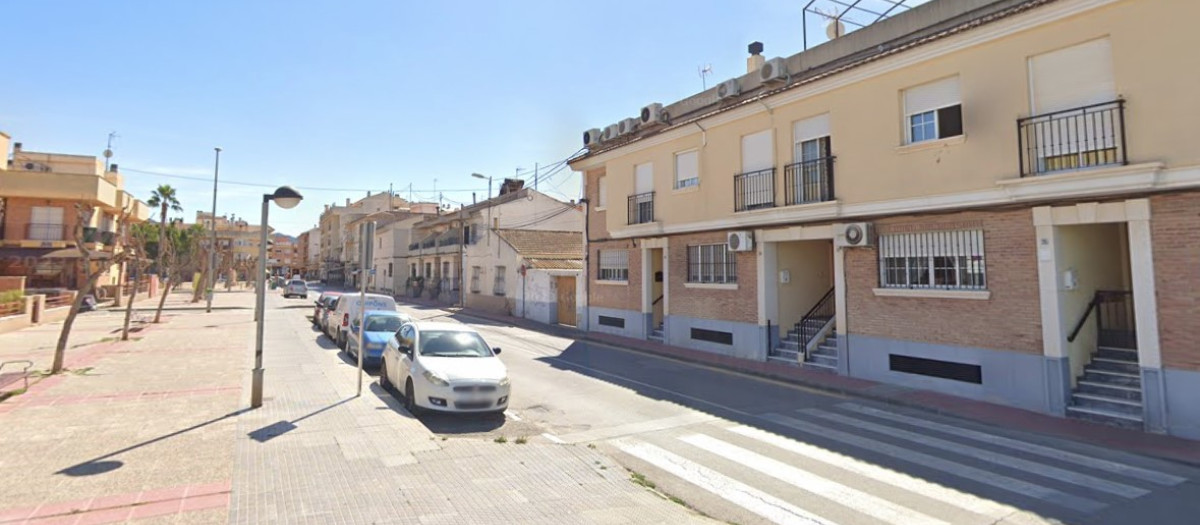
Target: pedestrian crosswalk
x=858 y=464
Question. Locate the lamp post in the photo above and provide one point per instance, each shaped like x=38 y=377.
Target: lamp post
x=489 y=179
x=212 y=251
x=286 y=198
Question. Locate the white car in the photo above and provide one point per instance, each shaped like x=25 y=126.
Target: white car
x=444 y=367
x=296 y=288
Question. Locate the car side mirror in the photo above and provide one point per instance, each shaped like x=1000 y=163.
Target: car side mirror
x=496 y=350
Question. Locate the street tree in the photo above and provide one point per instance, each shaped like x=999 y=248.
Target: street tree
x=137 y=237
x=164 y=198
x=176 y=253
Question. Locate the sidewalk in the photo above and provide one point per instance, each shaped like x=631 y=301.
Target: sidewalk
x=1166 y=447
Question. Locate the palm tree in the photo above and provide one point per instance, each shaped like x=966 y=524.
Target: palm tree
x=164 y=198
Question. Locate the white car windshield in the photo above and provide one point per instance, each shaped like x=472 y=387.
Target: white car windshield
x=446 y=343
x=383 y=323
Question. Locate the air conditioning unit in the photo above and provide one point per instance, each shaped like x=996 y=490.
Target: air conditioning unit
x=775 y=70
x=729 y=89
x=591 y=137
x=740 y=241
x=654 y=114
x=611 y=132
x=628 y=126
x=857 y=234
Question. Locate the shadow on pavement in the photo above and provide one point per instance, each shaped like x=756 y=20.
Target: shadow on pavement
x=279 y=428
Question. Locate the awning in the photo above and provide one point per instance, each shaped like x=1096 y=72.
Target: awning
x=73 y=253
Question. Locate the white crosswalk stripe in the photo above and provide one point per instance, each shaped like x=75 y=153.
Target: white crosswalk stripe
x=736 y=492
x=977 y=475
x=945 y=495
x=857 y=500
x=1152 y=476
x=1041 y=469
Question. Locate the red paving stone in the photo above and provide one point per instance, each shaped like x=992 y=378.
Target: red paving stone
x=210 y=501
x=121 y=507
x=104 y=516
x=160 y=508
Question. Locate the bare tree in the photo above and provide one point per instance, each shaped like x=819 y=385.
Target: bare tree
x=174 y=254
x=84 y=213
x=135 y=245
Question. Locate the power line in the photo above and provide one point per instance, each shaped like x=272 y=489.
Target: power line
x=260 y=185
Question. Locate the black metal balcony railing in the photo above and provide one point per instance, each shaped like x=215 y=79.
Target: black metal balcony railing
x=46 y=232
x=429 y=243
x=414 y=246
x=641 y=208
x=108 y=238
x=452 y=240
x=90 y=234
x=808 y=181
x=754 y=190
x=1082 y=137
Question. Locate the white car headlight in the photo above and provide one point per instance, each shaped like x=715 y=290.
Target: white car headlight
x=504 y=381
x=436 y=378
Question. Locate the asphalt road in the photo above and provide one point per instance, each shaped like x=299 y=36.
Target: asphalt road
x=747 y=450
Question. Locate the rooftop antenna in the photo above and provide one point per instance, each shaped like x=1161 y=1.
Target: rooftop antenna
x=704 y=72
x=108 y=152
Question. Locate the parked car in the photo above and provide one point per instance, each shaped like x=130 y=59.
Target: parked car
x=445 y=367
x=322 y=305
x=348 y=307
x=378 y=328
x=296 y=288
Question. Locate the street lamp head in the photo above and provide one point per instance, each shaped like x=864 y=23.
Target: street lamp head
x=286 y=197
x=478 y=176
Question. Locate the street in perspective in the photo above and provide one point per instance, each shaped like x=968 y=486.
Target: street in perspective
x=287 y=290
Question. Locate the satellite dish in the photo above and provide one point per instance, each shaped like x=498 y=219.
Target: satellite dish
x=834 y=28
x=108 y=154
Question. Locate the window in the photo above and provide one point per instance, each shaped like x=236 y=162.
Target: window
x=687 y=169
x=428 y=270
x=601 y=193
x=711 y=263
x=412 y=270
x=46 y=223
x=754 y=187
x=614 y=265
x=498 y=288
x=810 y=138
x=942 y=259
x=446 y=269
x=389 y=274
x=933 y=111
x=475 y=271
x=1078 y=118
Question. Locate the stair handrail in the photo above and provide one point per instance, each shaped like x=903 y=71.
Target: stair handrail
x=657 y=300
x=1099 y=298
x=806 y=335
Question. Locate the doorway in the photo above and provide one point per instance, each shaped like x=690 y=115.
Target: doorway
x=566 y=300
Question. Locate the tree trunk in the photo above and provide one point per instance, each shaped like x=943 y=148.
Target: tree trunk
x=120 y=283
x=60 y=350
x=161 y=301
x=129 y=313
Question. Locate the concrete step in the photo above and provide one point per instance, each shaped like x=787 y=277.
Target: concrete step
x=1124 y=354
x=784 y=352
x=790 y=344
x=831 y=345
x=825 y=351
x=1107 y=417
x=1109 y=390
x=1111 y=377
x=824 y=360
x=1112 y=404
x=1115 y=365
x=819 y=367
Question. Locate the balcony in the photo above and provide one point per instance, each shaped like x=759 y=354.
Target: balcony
x=641 y=208
x=1079 y=138
x=414 y=246
x=754 y=190
x=808 y=181
x=46 y=232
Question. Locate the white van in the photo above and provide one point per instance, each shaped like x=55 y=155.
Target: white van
x=348 y=308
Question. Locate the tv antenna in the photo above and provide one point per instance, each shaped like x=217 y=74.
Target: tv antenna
x=704 y=72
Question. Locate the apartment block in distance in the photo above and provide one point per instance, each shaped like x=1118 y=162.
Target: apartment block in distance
x=996 y=199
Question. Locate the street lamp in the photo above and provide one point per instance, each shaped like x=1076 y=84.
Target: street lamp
x=489 y=179
x=287 y=198
x=212 y=251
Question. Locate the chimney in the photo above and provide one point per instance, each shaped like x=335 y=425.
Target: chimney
x=113 y=168
x=756 y=60
x=347 y=201
x=511 y=185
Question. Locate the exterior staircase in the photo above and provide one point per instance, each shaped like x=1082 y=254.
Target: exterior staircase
x=823 y=358
x=1110 y=389
x=657 y=334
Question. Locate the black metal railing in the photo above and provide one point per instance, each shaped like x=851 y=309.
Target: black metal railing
x=816 y=319
x=1115 y=323
x=754 y=190
x=110 y=238
x=1082 y=137
x=808 y=181
x=414 y=246
x=90 y=234
x=429 y=243
x=46 y=232
x=641 y=208
x=452 y=240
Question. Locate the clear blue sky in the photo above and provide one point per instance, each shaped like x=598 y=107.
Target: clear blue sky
x=358 y=94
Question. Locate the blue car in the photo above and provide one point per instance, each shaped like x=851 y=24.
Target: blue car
x=380 y=327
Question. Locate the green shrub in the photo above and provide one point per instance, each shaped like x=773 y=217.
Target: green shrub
x=11 y=296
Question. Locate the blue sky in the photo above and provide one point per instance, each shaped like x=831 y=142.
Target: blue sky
x=358 y=94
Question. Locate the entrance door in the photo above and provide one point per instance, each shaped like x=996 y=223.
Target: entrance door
x=566 y=300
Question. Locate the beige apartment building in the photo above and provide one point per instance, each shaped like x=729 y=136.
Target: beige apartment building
x=237 y=243
x=38 y=217
x=998 y=199
x=339 y=239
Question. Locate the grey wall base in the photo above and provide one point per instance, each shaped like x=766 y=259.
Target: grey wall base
x=635 y=326
x=1009 y=378
x=1182 y=410
x=1058 y=385
x=748 y=338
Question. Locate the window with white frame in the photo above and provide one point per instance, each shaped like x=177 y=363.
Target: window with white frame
x=601 y=193
x=475 y=271
x=950 y=260
x=933 y=111
x=498 y=288
x=614 y=265
x=46 y=223
x=711 y=263
x=687 y=169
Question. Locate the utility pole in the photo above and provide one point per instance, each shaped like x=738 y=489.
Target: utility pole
x=212 y=254
x=391 y=205
x=108 y=152
x=535 y=175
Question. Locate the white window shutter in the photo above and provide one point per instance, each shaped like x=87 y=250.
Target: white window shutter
x=602 y=192
x=811 y=128
x=687 y=166
x=758 y=152
x=931 y=96
x=1076 y=76
x=644 y=178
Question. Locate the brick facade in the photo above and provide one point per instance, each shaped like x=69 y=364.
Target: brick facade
x=740 y=305
x=18 y=212
x=1009 y=320
x=619 y=296
x=1175 y=230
